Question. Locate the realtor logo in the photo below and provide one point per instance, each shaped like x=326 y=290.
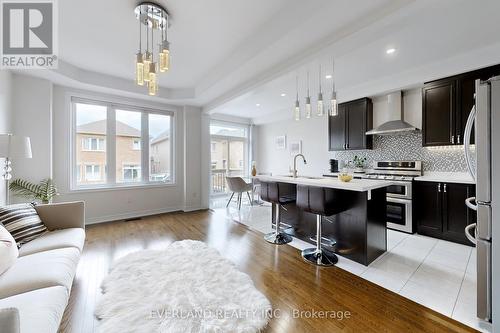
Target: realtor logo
x=28 y=34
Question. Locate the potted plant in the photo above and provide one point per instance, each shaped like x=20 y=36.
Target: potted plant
x=44 y=191
x=359 y=164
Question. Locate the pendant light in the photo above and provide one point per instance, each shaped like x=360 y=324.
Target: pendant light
x=296 y=109
x=153 y=84
x=320 y=107
x=154 y=17
x=334 y=109
x=308 y=99
x=164 y=54
x=147 y=55
x=139 y=65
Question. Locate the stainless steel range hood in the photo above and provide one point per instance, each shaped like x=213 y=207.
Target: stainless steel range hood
x=396 y=111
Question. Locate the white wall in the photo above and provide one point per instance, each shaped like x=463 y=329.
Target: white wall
x=32 y=117
x=192 y=158
x=314 y=135
x=5 y=117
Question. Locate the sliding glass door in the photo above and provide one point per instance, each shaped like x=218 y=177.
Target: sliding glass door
x=229 y=154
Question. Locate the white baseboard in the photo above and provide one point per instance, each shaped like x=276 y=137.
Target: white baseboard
x=130 y=215
x=193 y=208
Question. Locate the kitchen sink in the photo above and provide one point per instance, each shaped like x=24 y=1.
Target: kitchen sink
x=303 y=177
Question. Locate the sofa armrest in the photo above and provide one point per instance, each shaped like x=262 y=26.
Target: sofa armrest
x=62 y=215
x=9 y=320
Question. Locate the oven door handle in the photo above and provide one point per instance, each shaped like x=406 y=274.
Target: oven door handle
x=396 y=200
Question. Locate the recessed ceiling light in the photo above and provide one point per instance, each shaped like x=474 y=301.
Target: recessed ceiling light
x=283 y=94
x=329 y=76
x=257 y=105
x=390 y=50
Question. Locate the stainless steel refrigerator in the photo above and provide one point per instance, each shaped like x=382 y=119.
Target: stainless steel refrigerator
x=485 y=116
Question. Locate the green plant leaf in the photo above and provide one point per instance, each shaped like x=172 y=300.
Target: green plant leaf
x=43 y=191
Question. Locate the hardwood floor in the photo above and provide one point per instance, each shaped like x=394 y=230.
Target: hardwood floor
x=277 y=271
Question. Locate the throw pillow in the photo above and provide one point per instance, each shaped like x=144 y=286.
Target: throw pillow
x=23 y=222
x=8 y=250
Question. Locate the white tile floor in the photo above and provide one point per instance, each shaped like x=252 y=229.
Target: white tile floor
x=435 y=273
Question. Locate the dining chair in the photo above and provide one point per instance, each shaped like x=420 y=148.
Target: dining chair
x=238 y=185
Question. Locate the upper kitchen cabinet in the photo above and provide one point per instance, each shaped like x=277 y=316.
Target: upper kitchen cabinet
x=446 y=105
x=347 y=130
x=438 y=113
x=337 y=129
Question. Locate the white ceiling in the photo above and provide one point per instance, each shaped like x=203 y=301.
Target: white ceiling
x=218 y=47
x=433 y=39
x=228 y=55
x=103 y=36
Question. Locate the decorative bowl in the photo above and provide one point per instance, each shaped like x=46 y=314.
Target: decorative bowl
x=345 y=177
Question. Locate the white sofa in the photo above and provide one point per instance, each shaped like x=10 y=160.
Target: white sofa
x=38 y=285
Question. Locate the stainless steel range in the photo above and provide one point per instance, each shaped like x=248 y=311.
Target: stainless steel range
x=399 y=195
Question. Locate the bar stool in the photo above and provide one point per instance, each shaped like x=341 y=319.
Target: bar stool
x=276 y=194
x=322 y=202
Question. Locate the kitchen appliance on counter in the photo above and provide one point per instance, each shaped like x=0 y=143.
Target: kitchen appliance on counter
x=334 y=166
x=486 y=115
x=399 y=195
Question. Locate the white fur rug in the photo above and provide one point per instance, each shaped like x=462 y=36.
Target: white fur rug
x=189 y=287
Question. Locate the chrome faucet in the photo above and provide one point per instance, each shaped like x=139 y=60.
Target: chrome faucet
x=294 y=171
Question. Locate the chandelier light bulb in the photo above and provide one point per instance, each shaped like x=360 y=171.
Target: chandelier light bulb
x=308 y=107
x=321 y=108
x=147 y=65
x=308 y=99
x=297 y=111
x=334 y=108
x=153 y=84
x=139 y=70
x=164 y=56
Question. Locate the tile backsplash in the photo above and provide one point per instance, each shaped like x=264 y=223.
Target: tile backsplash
x=408 y=146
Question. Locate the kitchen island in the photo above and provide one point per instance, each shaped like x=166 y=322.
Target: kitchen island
x=358 y=233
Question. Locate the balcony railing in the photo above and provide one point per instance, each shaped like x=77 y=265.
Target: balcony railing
x=219 y=181
x=219 y=185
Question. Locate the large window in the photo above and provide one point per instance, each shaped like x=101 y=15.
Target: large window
x=117 y=145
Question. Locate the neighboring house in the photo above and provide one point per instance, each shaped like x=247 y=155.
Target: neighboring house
x=231 y=160
x=159 y=155
x=91 y=153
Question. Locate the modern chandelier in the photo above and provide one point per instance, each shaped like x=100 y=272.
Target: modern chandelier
x=320 y=110
x=148 y=63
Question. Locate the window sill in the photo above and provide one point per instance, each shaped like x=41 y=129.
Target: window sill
x=118 y=187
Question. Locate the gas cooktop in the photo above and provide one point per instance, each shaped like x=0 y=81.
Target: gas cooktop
x=395 y=170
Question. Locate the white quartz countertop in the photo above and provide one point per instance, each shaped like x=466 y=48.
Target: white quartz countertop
x=446 y=177
x=358 y=185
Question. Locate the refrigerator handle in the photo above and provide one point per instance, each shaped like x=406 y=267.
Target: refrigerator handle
x=468 y=203
x=471 y=238
x=467 y=135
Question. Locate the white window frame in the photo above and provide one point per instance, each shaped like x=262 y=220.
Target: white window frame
x=110 y=141
x=93 y=167
x=131 y=166
x=138 y=147
x=89 y=139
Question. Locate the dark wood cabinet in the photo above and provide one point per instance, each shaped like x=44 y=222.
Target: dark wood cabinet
x=446 y=105
x=429 y=221
x=440 y=210
x=337 y=129
x=347 y=130
x=438 y=122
